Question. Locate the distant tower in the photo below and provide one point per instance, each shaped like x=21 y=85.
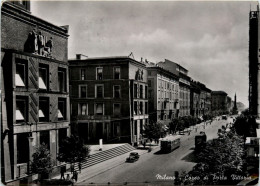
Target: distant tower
x=235 y=102
x=254 y=59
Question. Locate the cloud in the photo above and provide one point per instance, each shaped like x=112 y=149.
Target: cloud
x=210 y=39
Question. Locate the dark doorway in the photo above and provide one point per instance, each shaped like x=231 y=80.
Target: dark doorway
x=83 y=132
x=99 y=131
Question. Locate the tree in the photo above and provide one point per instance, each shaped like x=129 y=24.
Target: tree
x=153 y=130
x=245 y=126
x=72 y=150
x=42 y=162
x=220 y=159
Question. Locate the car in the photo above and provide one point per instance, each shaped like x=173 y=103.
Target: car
x=224 y=117
x=133 y=156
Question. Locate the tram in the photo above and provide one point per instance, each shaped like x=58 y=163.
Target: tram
x=170 y=143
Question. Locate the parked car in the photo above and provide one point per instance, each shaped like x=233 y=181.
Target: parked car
x=133 y=156
x=224 y=117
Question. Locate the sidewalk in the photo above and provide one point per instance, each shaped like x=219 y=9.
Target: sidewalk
x=99 y=168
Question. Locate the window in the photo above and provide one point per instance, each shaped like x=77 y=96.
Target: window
x=116 y=128
x=135 y=108
x=21 y=112
x=116 y=72
x=22 y=148
x=21 y=75
x=150 y=94
x=61 y=80
x=149 y=83
x=135 y=90
x=62 y=115
x=83 y=109
x=82 y=74
x=116 y=91
x=82 y=91
x=99 y=73
x=99 y=91
x=99 y=108
x=141 y=91
x=141 y=108
x=146 y=108
x=146 y=92
x=45 y=138
x=43 y=109
x=117 y=109
x=62 y=134
x=43 y=77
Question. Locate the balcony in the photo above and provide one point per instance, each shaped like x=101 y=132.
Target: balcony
x=94 y=117
x=166 y=99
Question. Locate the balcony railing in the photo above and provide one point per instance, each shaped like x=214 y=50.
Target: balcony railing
x=94 y=117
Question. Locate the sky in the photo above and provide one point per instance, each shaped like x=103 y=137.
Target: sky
x=208 y=38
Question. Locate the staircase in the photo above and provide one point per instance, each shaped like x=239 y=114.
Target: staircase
x=105 y=155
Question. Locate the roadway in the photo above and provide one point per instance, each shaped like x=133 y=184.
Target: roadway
x=154 y=167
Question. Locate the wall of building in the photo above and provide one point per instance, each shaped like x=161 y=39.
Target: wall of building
x=16 y=37
x=22 y=89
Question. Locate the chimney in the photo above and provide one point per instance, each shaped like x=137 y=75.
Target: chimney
x=141 y=59
x=81 y=56
x=78 y=56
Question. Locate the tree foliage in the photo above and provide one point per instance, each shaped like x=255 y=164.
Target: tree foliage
x=245 y=125
x=179 y=124
x=73 y=150
x=220 y=159
x=154 y=130
x=42 y=162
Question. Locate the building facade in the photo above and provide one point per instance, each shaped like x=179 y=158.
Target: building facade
x=219 y=102
x=163 y=94
x=109 y=99
x=254 y=58
x=205 y=99
x=34 y=86
x=194 y=100
x=184 y=84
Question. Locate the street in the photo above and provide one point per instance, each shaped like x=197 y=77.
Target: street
x=155 y=167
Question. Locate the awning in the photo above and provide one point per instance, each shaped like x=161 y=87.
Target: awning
x=41 y=115
x=18 y=81
x=19 y=115
x=41 y=83
x=60 y=114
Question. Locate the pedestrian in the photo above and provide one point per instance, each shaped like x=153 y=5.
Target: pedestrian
x=79 y=165
x=68 y=177
x=72 y=168
x=62 y=171
x=75 y=176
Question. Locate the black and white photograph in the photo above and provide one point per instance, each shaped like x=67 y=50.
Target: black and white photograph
x=144 y=92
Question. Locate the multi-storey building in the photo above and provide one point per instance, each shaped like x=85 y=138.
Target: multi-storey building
x=34 y=86
x=194 y=99
x=163 y=94
x=109 y=98
x=184 y=84
x=219 y=102
x=229 y=104
x=205 y=99
x=254 y=58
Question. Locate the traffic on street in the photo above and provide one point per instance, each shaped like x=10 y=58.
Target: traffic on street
x=158 y=167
